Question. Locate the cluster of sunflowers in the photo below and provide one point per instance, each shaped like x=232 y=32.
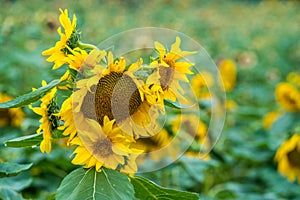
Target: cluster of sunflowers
x=112 y=109
x=287 y=95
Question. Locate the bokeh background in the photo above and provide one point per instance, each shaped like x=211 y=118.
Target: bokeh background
x=261 y=37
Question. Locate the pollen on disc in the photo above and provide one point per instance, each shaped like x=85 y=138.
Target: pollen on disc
x=117 y=97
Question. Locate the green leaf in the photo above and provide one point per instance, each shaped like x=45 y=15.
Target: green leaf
x=25 y=141
x=31 y=97
x=281 y=128
x=176 y=105
x=18 y=182
x=31 y=140
x=12 y=169
x=145 y=189
x=8 y=193
x=10 y=186
x=90 y=184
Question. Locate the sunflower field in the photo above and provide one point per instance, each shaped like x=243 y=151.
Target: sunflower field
x=149 y=100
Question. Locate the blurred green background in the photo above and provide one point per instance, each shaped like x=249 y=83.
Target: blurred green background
x=262 y=37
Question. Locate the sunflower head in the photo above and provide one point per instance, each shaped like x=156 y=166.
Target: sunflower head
x=288 y=158
x=69 y=38
x=169 y=70
x=105 y=145
x=288 y=96
x=201 y=84
x=111 y=89
x=48 y=110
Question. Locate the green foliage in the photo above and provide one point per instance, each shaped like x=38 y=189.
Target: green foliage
x=176 y=105
x=10 y=186
x=243 y=165
x=287 y=123
x=12 y=169
x=145 y=189
x=31 y=97
x=90 y=184
x=32 y=140
x=25 y=141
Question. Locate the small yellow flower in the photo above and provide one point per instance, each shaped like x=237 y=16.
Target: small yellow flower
x=288 y=96
x=288 y=158
x=68 y=40
x=48 y=121
x=169 y=71
x=12 y=116
x=228 y=74
x=270 y=118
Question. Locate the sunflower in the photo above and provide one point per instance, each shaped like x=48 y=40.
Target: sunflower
x=227 y=70
x=49 y=121
x=169 y=71
x=288 y=96
x=288 y=158
x=194 y=128
x=13 y=116
x=114 y=91
x=68 y=40
x=201 y=84
x=104 y=145
x=151 y=145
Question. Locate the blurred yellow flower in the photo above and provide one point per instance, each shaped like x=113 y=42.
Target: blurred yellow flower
x=11 y=116
x=49 y=120
x=288 y=158
x=169 y=71
x=201 y=84
x=228 y=74
x=270 y=118
x=294 y=78
x=288 y=96
x=68 y=40
x=193 y=127
x=154 y=143
x=230 y=105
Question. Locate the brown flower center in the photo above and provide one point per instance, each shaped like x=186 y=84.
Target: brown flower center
x=189 y=128
x=294 y=158
x=103 y=147
x=289 y=99
x=117 y=97
x=5 y=115
x=166 y=76
x=88 y=104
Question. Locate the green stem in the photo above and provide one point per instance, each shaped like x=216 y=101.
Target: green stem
x=82 y=45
